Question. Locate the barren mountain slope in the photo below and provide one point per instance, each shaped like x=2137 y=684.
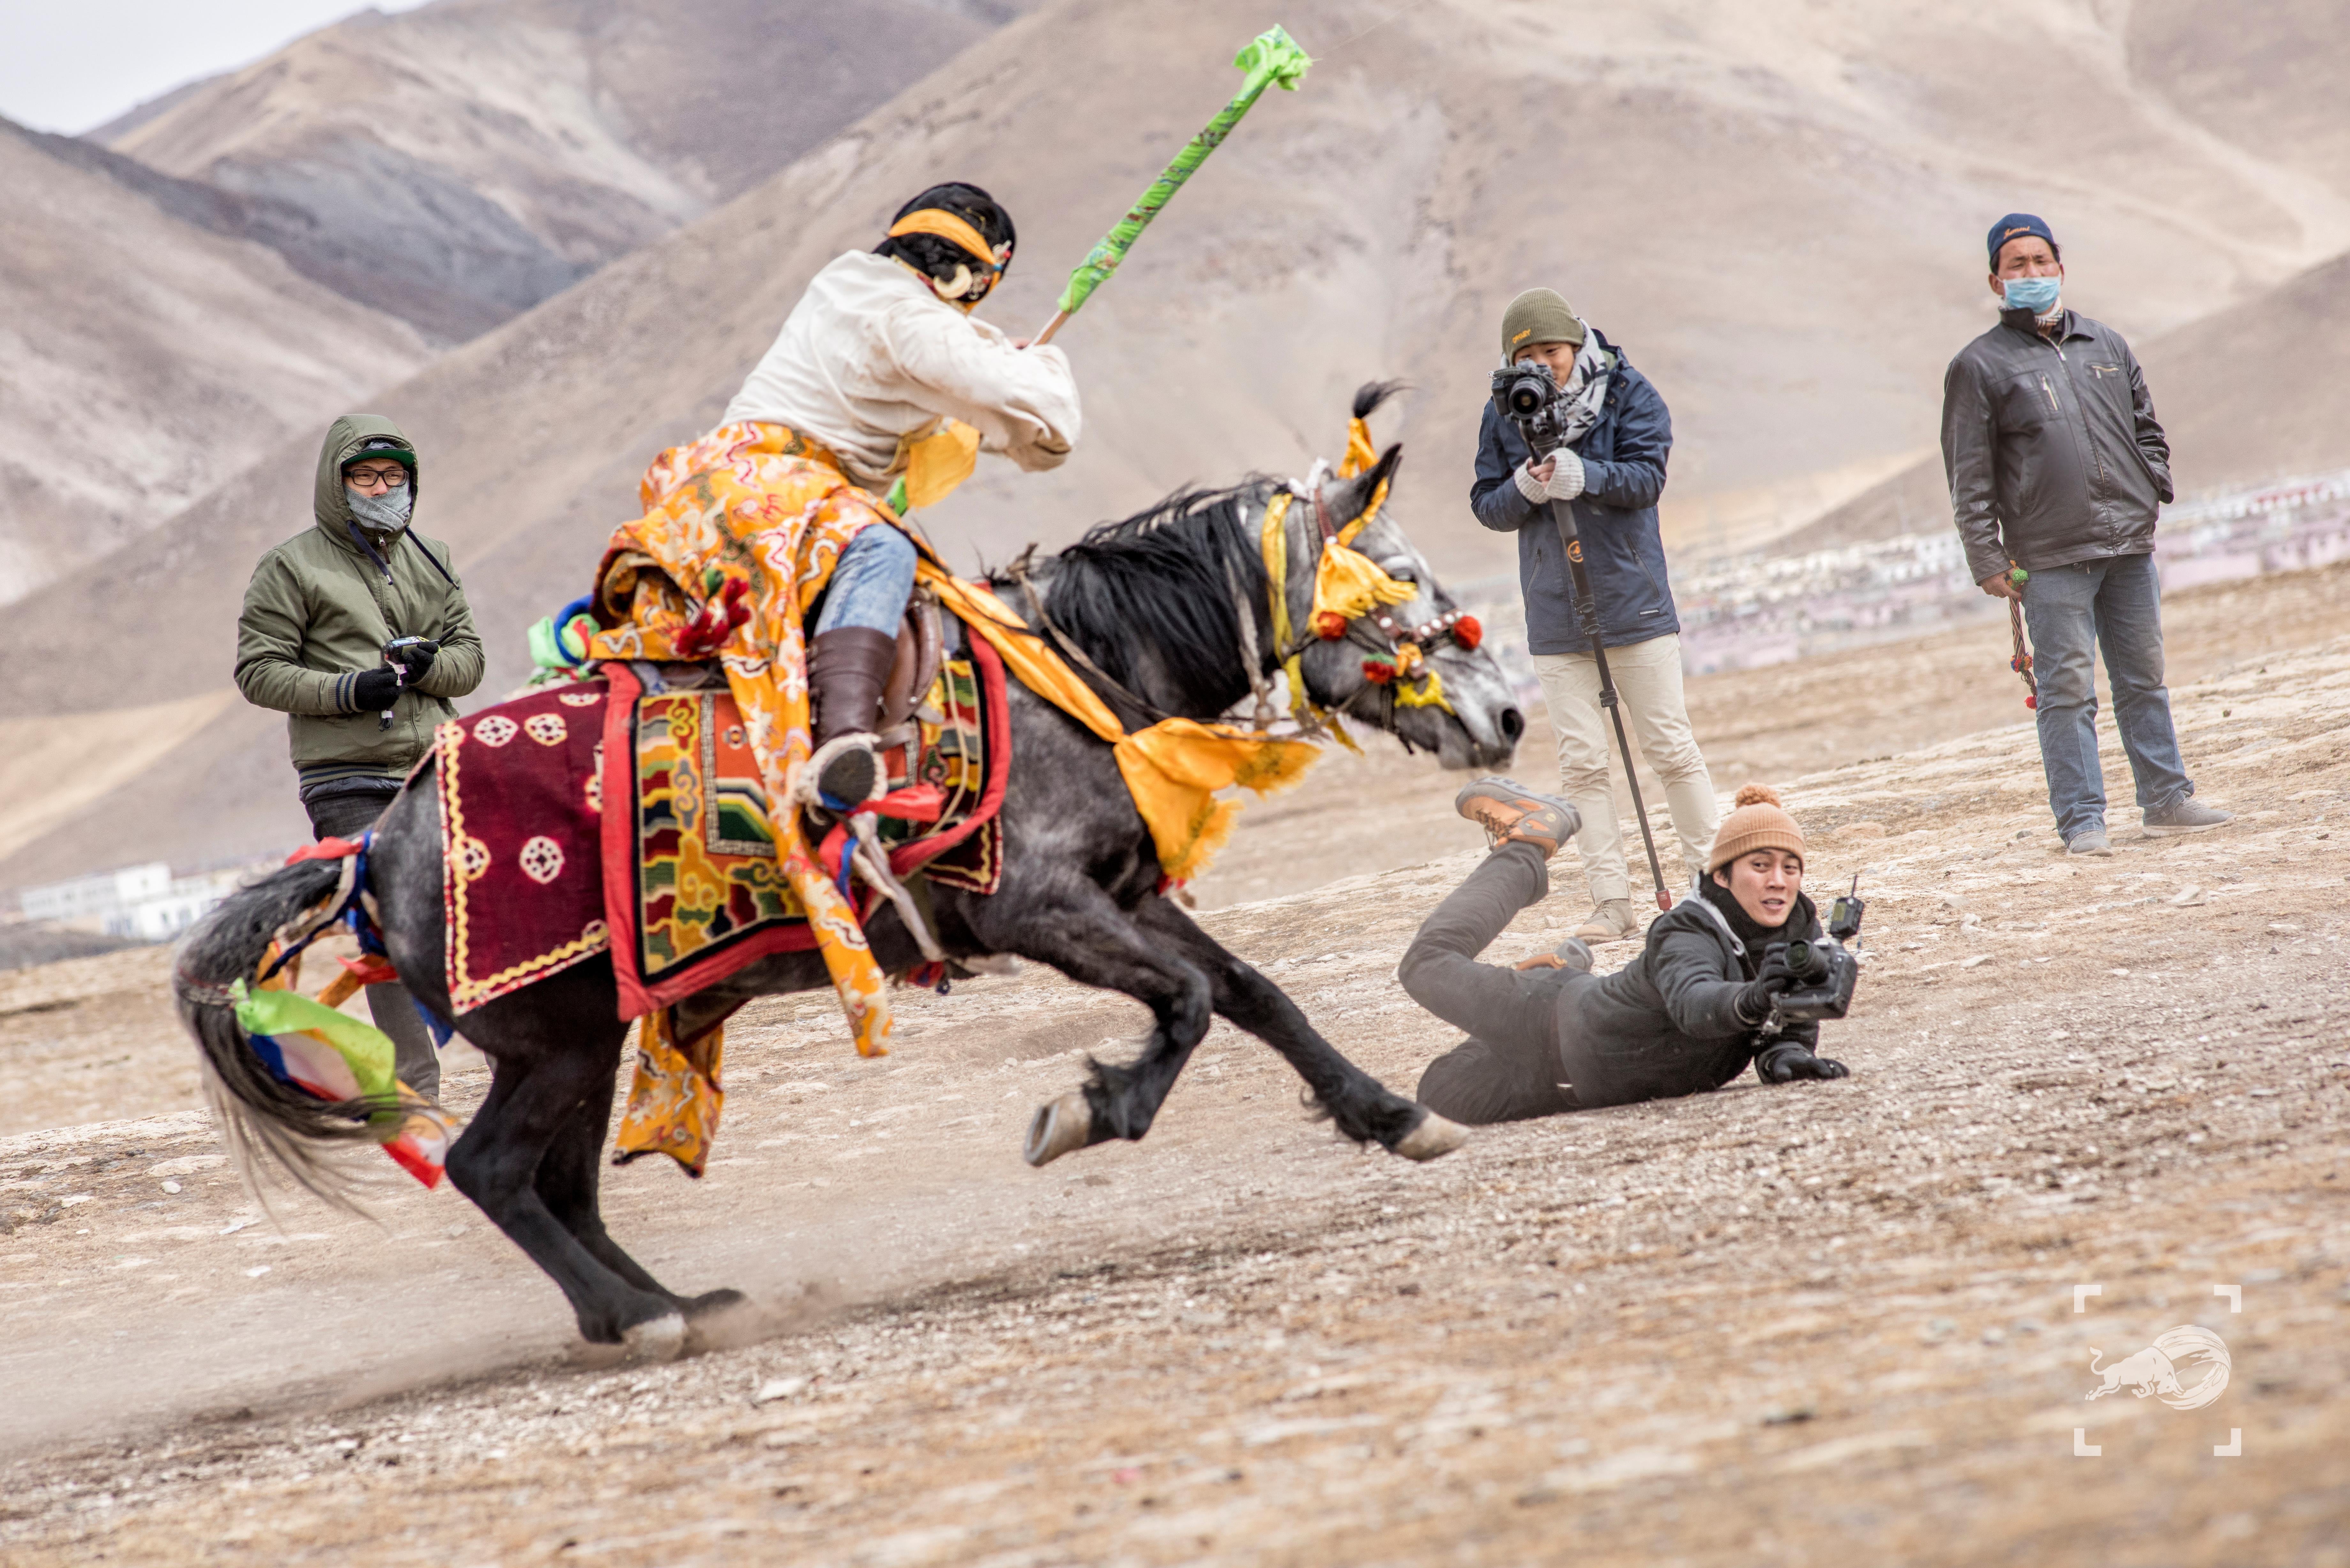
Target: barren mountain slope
x=146 y=360
x=2251 y=393
x=1775 y=209
x=458 y=164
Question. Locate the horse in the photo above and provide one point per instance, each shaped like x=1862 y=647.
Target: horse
x=1171 y=611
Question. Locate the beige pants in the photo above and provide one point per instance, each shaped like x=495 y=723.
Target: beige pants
x=1648 y=681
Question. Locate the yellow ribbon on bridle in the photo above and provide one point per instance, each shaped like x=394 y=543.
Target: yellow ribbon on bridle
x=1348 y=584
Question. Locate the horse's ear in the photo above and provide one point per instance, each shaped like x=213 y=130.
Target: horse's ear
x=1352 y=495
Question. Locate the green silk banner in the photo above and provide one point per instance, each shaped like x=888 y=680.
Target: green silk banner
x=1273 y=60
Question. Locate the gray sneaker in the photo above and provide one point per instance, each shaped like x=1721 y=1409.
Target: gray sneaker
x=2184 y=815
x=2092 y=842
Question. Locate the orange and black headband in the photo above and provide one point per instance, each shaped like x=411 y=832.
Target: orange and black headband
x=947 y=227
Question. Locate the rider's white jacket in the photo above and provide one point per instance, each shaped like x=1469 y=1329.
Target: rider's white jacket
x=870 y=358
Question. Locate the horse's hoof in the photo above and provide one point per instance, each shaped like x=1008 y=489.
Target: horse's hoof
x=1433 y=1137
x=709 y=1301
x=659 y=1338
x=1058 y=1128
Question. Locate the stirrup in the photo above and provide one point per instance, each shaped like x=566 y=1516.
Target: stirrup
x=807 y=786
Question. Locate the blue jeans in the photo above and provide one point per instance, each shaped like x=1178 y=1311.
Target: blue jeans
x=2117 y=602
x=870 y=582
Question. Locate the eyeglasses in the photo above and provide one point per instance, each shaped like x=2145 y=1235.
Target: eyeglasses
x=371 y=478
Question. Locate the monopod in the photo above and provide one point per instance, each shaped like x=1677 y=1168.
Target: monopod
x=1586 y=620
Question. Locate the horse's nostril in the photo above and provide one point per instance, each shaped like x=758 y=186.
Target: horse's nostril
x=1514 y=724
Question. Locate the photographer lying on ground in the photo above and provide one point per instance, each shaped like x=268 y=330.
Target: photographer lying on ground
x=1688 y=1014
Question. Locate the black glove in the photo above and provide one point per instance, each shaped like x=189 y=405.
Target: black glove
x=1774 y=981
x=376 y=690
x=415 y=658
x=1786 y=1061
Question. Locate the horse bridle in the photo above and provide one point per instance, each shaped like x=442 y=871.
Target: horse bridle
x=1424 y=635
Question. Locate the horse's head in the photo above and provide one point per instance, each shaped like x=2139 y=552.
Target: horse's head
x=1409 y=666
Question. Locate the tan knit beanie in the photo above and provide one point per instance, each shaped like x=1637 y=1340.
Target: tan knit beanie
x=1758 y=822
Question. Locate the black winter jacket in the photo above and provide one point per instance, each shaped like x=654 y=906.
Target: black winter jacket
x=1667 y=1023
x=1616 y=517
x=2051 y=449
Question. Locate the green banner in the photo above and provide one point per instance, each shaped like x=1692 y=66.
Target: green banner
x=1274 y=59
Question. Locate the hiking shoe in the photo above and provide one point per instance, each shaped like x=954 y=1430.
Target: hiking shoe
x=1572 y=953
x=2183 y=815
x=1511 y=813
x=1612 y=922
x=2092 y=842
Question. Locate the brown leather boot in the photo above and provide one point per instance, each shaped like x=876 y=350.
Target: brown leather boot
x=847 y=668
x=1511 y=813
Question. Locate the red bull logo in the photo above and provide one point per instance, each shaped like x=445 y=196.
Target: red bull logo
x=2154 y=1371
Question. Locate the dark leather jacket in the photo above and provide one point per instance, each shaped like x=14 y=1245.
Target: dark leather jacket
x=2051 y=447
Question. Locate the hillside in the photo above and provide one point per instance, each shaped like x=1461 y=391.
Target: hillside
x=1776 y=211
x=147 y=358
x=455 y=164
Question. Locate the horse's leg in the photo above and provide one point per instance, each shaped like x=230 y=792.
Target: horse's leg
x=1359 y=1105
x=536 y=1102
x=1068 y=922
x=569 y=1181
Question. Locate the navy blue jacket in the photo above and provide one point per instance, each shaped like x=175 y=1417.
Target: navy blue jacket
x=1624 y=472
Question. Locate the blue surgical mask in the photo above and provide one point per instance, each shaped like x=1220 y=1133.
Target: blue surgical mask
x=2036 y=294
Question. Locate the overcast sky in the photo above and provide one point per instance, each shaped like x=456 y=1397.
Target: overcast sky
x=72 y=65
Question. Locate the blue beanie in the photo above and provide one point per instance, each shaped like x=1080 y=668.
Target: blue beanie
x=2015 y=225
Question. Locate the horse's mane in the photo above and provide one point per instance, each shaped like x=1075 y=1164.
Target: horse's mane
x=1150 y=595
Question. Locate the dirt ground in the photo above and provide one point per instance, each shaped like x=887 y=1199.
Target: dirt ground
x=1813 y=1323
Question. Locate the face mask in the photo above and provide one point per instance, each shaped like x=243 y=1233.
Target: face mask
x=2036 y=294
x=385 y=513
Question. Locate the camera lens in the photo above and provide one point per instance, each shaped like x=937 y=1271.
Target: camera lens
x=1806 y=963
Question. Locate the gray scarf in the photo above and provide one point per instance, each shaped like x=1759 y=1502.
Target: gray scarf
x=1586 y=386
x=388 y=512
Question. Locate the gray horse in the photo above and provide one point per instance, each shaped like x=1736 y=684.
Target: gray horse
x=1172 y=608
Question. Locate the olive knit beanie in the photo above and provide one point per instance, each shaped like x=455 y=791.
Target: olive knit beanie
x=1758 y=822
x=1538 y=316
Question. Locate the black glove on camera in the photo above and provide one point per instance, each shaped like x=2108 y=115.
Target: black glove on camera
x=1788 y=1061
x=375 y=690
x=415 y=658
x=1755 y=997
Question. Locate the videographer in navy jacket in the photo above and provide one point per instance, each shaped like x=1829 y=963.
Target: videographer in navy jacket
x=1611 y=473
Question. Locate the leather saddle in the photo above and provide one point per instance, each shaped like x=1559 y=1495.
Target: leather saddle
x=922 y=650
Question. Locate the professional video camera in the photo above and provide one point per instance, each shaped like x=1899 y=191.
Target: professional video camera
x=1529 y=397
x=1826 y=970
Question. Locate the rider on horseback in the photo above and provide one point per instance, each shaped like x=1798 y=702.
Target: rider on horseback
x=882 y=366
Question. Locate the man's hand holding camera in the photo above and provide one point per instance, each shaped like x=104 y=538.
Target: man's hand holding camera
x=405 y=663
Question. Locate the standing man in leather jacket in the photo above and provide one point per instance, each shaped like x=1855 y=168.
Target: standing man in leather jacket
x=356 y=630
x=2057 y=465
x=1611 y=473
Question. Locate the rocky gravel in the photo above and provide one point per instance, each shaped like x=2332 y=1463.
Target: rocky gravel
x=1823 y=1323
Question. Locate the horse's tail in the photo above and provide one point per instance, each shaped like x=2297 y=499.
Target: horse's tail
x=264 y=1121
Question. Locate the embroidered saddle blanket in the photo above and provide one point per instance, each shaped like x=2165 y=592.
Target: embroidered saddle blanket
x=598 y=817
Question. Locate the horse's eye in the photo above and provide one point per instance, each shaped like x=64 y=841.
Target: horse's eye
x=1401 y=571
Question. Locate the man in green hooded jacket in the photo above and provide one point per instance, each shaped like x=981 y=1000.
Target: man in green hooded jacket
x=358 y=630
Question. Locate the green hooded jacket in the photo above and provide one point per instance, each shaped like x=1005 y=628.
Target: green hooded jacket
x=320 y=608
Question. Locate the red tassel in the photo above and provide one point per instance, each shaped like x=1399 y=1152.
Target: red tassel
x=718 y=619
x=1468 y=632
x=1329 y=625
x=1378 y=673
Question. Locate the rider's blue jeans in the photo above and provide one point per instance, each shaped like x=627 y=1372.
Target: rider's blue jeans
x=870 y=582
x=2116 y=603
